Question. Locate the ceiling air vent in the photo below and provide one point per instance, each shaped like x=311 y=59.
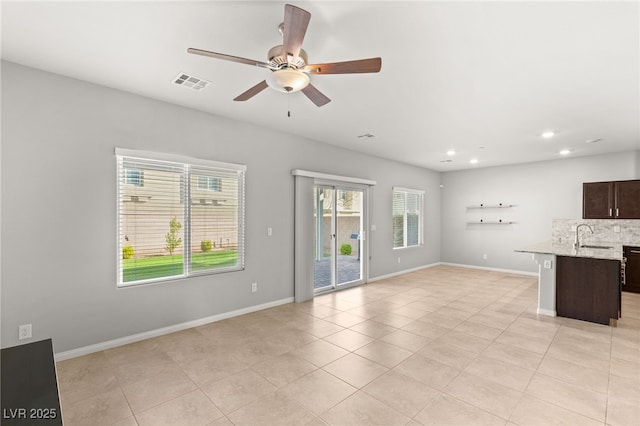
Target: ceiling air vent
x=367 y=136
x=190 y=81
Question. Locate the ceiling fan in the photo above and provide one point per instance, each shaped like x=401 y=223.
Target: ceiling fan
x=288 y=62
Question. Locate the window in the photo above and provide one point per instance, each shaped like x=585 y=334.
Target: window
x=407 y=217
x=187 y=219
x=209 y=183
x=133 y=177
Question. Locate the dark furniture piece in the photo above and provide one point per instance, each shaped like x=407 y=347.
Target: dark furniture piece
x=632 y=269
x=29 y=386
x=588 y=289
x=611 y=200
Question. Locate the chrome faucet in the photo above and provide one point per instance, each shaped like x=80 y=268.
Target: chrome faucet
x=576 y=243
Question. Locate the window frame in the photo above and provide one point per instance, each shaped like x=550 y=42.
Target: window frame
x=420 y=194
x=187 y=164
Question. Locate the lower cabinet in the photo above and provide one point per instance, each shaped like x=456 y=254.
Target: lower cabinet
x=588 y=289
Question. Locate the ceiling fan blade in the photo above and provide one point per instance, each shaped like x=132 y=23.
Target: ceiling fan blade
x=296 y=21
x=229 y=58
x=348 y=67
x=316 y=96
x=252 y=92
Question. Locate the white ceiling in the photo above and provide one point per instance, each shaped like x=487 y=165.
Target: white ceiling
x=483 y=78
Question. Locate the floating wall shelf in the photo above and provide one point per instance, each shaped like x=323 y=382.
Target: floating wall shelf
x=491 y=222
x=493 y=218
x=492 y=206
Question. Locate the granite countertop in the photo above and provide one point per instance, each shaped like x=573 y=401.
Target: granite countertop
x=566 y=249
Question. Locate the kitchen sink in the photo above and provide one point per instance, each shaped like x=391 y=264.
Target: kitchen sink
x=587 y=246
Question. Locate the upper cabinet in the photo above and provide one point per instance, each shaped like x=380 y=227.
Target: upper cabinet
x=597 y=200
x=611 y=200
x=627 y=199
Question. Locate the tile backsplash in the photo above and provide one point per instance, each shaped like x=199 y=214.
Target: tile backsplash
x=613 y=232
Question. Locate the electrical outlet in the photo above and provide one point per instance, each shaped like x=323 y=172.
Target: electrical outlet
x=269 y=231
x=398 y=260
x=616 y=229
x=485 y=256
x=547 y=264
x=373 y=227
x=254 y=287
x=24 y=331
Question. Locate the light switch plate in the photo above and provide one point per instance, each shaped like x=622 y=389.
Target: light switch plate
x=547 y=264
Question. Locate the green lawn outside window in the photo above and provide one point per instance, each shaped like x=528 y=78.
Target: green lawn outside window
x=166 y=266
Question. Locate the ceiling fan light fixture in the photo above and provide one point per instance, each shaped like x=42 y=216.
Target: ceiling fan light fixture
x=288 y=80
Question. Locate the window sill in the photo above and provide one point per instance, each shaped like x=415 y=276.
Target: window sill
x=408 y=247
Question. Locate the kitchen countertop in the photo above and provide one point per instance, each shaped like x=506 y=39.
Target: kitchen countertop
x=566 y=249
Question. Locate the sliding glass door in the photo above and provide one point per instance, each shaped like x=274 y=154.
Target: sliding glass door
x=339 y=222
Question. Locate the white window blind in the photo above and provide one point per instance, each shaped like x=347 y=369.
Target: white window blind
x=172 y=226
x=407 y=217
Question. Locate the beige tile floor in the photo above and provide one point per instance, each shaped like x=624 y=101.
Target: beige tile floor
x=442 y=346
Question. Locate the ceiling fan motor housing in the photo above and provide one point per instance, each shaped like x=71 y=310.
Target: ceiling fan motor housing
x=278 y=58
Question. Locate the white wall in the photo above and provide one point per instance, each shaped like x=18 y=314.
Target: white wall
x=59 y=204
x=542 y=191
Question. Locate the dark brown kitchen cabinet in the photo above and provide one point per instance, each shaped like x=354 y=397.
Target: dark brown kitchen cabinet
x=631 y=280
x=588 y=289
x=627 y=199
x=611 y=200
x=597 y=200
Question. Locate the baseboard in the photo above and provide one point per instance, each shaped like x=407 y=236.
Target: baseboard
x=404 y=271
x=547 y=312
x=486 y=268
x=86 y=350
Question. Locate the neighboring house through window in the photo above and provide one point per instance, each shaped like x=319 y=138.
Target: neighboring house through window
x=210 y=183
x=134 y=177
x=177 y=217
x=407 y=217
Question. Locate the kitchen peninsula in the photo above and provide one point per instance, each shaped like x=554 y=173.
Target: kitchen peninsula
x=580 y=267
x=579 y=281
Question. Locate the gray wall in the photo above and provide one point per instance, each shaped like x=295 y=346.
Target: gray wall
x=541 y=191
x=59 y=204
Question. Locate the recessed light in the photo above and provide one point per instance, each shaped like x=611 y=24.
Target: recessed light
x=474 y=161
x=451 y=152
x=565 y=152
x=548 y=134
